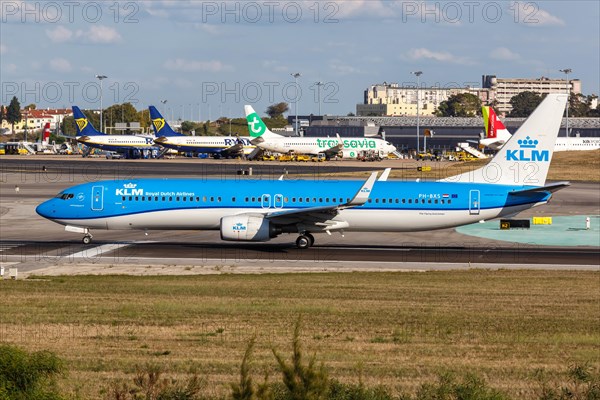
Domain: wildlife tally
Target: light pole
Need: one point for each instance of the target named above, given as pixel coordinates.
(164, 103)
(319, 84)
(296, 75)
(567, 71)
(100, 78)
(418, 74)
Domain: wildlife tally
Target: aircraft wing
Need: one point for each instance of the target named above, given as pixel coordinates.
(321, 216)
(237, 148)
(333, 151)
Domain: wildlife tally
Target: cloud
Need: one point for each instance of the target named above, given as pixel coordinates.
(60, 34)
(10, 68)
(3, 48)
(442, 56)
(60, 65)
(275, 66)
(358, 8)
(98, 34)
(101, 34)
(183, 65)
(343, 69)
(530, 14)
(502, 53)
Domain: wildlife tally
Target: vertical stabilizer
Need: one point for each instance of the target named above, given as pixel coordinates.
(160, 125)
(526, 156)
(83, 124)
(256, 126)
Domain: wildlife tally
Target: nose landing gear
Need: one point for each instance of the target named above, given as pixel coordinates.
(87, 239)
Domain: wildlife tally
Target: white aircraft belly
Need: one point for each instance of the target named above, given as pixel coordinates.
(358, 220)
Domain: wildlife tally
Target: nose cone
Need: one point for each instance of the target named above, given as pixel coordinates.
(46, 209)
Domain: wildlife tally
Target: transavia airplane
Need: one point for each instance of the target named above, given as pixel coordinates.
(349, 147)
(125, 144)
(219, 145)
(257, 211)
(496, 135)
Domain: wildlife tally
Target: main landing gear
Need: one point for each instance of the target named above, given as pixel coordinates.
(305, 241)
(87, 239)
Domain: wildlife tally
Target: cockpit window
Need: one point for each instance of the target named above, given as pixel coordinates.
(65, 196)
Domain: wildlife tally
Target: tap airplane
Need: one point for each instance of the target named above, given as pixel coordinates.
(245, 210)
(219, 145)
(349, 147)
(496, 135)
(93, 139)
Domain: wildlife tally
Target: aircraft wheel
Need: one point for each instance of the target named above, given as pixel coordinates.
(87, 239)
(303, 242)
(311, 238)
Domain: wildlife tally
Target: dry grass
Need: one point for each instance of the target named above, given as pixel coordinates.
(583, 166)
(399, 329)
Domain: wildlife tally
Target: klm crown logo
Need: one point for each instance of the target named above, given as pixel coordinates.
(528, 151)
(159, 123)
(239, 227)
(81, 123)
(528, 143)
(130, 185)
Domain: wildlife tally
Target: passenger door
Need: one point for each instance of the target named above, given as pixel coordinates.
(474, 204)
(97, 198)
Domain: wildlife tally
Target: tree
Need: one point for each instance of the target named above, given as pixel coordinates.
(13, 113)
(32, 106)
(460, 105)
(2, 114)
(277, 110)
(524, 103)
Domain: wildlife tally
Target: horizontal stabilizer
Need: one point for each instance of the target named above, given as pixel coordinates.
(548, 188)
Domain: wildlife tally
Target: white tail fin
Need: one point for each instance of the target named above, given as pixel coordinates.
(526, 156)
(256, 126)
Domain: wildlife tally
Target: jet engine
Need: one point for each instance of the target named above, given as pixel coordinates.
(247, 228)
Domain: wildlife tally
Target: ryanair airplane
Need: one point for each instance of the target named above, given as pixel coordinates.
(219, 145)
(257, 211)
(93, 139)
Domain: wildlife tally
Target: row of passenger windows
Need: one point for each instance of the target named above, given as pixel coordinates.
(306, 200)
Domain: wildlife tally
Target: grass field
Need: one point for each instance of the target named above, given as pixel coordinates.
(394, 329)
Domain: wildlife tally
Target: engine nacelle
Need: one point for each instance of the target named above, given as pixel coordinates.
(247, 228)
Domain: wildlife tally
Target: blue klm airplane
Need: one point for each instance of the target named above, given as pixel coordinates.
(257, 211)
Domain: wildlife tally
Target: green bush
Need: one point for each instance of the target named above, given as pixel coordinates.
(25, 376)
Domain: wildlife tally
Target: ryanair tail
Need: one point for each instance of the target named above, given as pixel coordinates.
(526, 156)
(84, 126)
(161, 127)
(257, 127)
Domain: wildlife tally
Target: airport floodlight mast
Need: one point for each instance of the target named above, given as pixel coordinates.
(296, 75)
(164, 103)
(319, 84)
(567, 71)
(418, 74)
(100, 78)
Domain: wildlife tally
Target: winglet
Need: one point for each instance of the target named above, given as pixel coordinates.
(340, 142)
(363, 193)
(385, 175)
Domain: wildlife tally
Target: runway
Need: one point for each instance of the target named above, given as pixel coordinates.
(36, 245)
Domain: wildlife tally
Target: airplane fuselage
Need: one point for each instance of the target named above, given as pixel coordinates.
(206, 144)
(352, 147)
(181, 204)
(118, 143)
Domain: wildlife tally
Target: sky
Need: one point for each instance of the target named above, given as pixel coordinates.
(206, 59)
